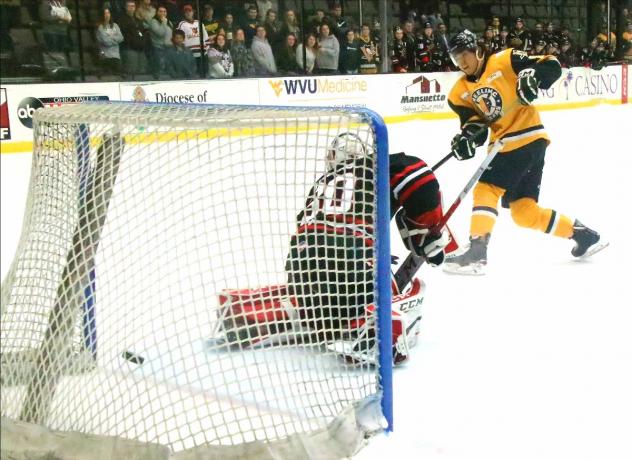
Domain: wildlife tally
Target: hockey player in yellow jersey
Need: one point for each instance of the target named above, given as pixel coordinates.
(497, 90)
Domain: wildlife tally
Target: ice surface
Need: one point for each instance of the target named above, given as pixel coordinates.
(532, 361)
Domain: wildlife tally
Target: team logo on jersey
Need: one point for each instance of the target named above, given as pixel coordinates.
(489, 102)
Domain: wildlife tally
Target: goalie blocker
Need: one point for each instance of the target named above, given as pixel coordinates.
(329, 293)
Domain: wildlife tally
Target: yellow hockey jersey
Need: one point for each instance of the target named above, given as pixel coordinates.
(487, 98)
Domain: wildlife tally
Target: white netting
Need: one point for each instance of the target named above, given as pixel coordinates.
(140, 220)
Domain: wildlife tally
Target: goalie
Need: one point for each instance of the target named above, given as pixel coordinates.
(330, 263)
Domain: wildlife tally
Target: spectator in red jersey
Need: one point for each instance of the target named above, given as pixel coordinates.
(400, 61)
(191, 28)
(425, 49)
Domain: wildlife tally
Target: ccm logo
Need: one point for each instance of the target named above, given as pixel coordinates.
(411, 304)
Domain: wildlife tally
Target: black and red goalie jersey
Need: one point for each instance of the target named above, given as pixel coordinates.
(342, 200)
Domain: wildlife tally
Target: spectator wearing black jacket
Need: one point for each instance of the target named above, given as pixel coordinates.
(567, 55)
(273, 30)
(286, 57)
(250, 23)
(290, 24)
(136, 42)
(411, 42)
(425, 50)
(519, 38)
(400, 60)
(350, 54)
(338, 23)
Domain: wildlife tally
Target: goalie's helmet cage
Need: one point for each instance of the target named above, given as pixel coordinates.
(344, 147)
(143, 221)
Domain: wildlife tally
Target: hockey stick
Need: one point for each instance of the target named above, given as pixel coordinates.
(413, 262)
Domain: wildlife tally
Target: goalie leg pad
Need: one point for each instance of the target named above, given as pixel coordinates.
(360, 345)
(256, 317)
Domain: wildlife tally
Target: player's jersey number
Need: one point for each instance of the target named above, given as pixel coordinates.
(333, 195)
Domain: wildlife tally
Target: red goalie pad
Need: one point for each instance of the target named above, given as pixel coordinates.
(249, 317)
(270, 316)
(406, 318)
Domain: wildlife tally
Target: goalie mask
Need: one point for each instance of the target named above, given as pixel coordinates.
(344, 147)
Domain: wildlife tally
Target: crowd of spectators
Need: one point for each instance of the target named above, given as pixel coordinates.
(140, 37)
(425, 48)
(169, 39)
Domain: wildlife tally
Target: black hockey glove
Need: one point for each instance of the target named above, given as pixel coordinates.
(527, 86)
(463, 148)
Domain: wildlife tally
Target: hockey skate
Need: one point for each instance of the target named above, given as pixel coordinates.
(587, 241)
(472, 261)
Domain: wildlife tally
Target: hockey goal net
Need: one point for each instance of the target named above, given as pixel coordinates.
(149, 230)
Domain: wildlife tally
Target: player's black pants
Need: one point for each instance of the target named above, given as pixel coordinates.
(518, 172)
(331, 279)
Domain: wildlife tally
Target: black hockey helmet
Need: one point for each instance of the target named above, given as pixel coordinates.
(463, 41)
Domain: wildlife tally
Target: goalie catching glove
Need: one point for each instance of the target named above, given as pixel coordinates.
(527, 86)
(425, 242)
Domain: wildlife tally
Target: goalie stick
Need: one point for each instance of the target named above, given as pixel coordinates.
(413, 262)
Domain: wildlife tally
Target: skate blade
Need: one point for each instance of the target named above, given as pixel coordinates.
(594, 249)
(468, 270)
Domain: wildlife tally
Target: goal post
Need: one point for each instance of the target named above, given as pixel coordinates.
(153, 297)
